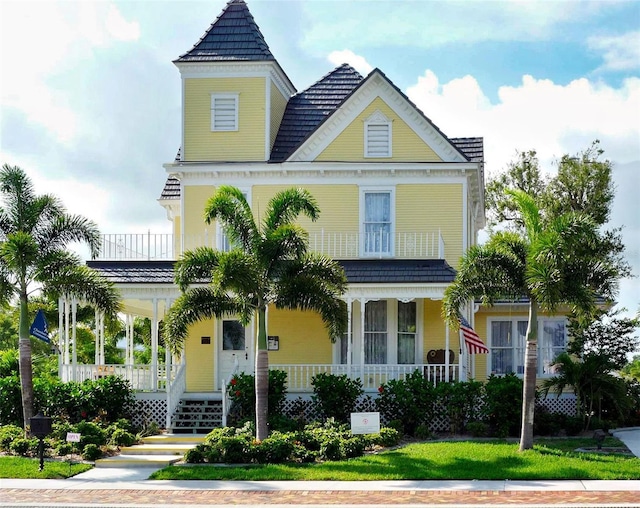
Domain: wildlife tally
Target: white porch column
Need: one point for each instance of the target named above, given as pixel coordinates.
(154, 346)
(61, 341)
(349, 335)
(74, 309)
(446, 354)
(129, 336)
(363, 302)
(67, 339)
(96, 319)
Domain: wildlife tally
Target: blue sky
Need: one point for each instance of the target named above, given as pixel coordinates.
(90, 101)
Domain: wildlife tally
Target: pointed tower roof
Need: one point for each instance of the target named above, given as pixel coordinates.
(308, 109)
(233, 36)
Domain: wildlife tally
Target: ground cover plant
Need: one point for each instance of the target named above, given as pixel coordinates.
(461, 460)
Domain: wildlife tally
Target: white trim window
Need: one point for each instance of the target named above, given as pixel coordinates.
(224, 112)
(377, 136)
(377, 222)
(375, 333)
(508, 338)
(406, 333)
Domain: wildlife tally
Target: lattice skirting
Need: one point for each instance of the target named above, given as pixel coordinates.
(153, 408)
(565, 404)
(150, 407)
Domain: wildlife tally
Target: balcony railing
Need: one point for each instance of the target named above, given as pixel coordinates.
(338, 245)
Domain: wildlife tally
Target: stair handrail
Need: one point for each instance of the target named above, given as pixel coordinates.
(175, 389)
(225, 392)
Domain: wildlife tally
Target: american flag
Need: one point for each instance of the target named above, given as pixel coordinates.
(471, 339)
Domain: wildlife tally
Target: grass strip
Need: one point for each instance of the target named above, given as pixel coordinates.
(22, 467)
(551, 459)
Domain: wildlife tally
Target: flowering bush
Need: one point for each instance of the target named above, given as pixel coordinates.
(242, 392)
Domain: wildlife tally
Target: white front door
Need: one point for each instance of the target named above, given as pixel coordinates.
(235, 344)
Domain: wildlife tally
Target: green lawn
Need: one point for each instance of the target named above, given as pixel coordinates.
(21, 467)
(460, 460)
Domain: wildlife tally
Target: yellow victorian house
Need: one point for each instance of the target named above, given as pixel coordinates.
(400, 203)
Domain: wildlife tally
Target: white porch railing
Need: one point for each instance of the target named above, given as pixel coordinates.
(138, 375)
(299, 376)
(338, 245)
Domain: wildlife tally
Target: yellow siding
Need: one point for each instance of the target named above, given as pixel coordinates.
(338, 206)
(434, 329)
(303, 338)
(245, 144)
(196, 230)
(278, 105)
(429, 208)
(200, 358)
(407, 146)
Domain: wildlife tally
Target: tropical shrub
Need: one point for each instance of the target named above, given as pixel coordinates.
(91, 451)
(460, 401)
(411, 400)
(502, 408)
(9, 433)
(336, 395)
(242, 393)
(10, 401)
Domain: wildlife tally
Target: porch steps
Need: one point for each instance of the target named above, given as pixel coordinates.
(197, 416)
(154, 451)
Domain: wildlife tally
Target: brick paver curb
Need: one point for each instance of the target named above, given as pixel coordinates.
(97, 497)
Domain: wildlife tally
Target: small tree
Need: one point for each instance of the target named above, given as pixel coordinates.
(34, 234)
(270, 265)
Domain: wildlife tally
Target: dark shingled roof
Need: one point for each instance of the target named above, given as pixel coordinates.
(308, 109)
(373, 271)
(233, 36)
(416, 271)
(473, 148)
(171, 189)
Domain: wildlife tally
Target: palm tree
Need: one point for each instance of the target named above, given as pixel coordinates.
(270, 265)
(551, 263)
(34, 233)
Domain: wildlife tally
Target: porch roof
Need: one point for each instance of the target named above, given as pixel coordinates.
(358, 271)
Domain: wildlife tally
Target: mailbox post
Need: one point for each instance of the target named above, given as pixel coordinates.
(41, 428)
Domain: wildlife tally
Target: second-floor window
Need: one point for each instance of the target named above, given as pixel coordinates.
(508, 339)
(377, 223)
(224, 112)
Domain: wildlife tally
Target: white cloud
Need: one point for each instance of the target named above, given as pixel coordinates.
(537, 114)
(358, 62)
(553, 119)
(60, 36)
(620, 53)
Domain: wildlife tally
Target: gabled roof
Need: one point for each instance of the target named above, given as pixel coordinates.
(233, 36)
(306, 110)
(358, 271)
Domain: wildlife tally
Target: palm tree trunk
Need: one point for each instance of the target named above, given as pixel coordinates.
(262, 377)
(26, 371)
(529, 386)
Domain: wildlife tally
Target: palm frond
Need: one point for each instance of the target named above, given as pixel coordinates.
(195, 305)
(530, 212)
(229, 207)
(195, 266)
(86, 284)
(65, 229)
(289, 241)
(488, 272)
(288, 204)
(238, 272)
